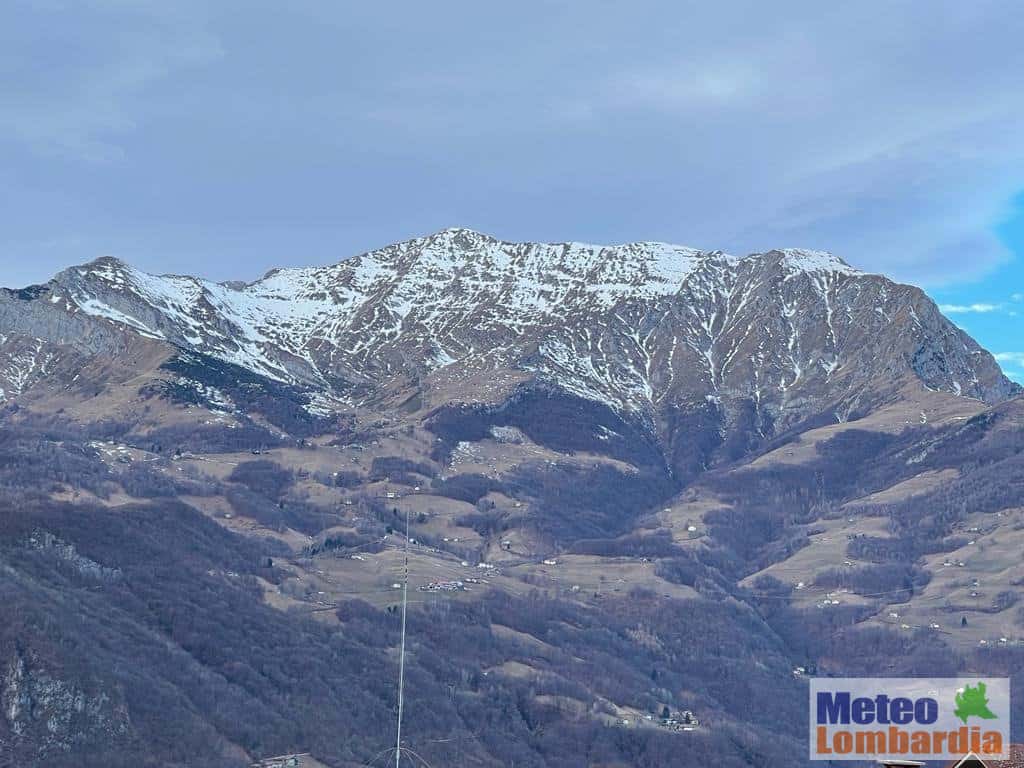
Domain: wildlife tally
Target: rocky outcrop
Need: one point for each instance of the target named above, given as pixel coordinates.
(50, 545)
(46, 713)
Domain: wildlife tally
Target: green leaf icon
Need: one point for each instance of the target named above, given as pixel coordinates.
(972, 702)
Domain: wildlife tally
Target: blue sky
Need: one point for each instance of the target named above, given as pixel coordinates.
(227, 138)
(991, 308)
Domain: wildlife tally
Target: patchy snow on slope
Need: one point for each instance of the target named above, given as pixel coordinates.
(509, 435)
(798, 260)
(629, 325)
(323, 406)
(22, 363)
(97, 308)
(217, 399)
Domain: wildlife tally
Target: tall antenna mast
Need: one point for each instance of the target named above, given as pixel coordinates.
(401, 657)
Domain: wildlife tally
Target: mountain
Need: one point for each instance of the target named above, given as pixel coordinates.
(637, 477)
(645, 329)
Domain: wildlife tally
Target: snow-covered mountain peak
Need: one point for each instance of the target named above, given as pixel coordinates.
(456, 255)
(636, 325)
(802, 260)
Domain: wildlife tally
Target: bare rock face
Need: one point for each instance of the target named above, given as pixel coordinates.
(48, 544)
(656, 333)
(52, 714)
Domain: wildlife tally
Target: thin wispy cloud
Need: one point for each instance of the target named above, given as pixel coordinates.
(81, 78)
(1015, 358)
(966, 309)
(247, 137)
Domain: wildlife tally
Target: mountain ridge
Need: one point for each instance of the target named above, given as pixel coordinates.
(662, 336)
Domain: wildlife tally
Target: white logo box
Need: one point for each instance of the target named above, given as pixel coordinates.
(876, 710)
